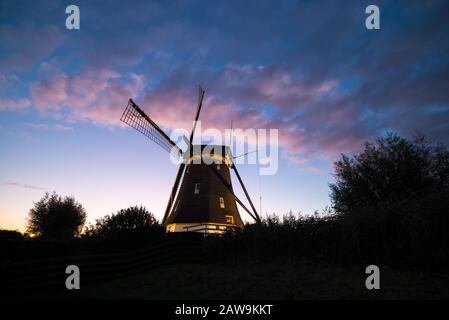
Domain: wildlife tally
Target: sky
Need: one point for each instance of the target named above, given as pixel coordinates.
(310, 69)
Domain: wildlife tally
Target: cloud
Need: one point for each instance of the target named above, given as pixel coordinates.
(24, 45)
(317, 120)
(61, 127)
(309, 69)
(99, 96)
(44, 126)
(241, 93)
(22, 185)
(14, 104)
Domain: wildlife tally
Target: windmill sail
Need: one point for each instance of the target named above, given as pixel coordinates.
(137, 119)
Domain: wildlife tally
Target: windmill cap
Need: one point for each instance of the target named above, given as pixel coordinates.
(219, 152)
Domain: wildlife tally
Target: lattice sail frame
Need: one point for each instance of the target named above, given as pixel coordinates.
(137, 119)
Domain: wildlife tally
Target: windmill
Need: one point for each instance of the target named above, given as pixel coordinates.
(202, 198)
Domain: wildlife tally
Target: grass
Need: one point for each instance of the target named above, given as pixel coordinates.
(264, 281)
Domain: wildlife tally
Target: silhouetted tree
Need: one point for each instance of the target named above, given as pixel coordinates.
(392, 169)
(56, 217)
(131, 222)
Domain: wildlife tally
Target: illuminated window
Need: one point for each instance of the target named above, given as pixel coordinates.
(197, 188)
(229, 219)
(222, 205)
(218, 167)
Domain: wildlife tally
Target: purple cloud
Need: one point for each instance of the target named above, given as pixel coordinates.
(14, 104)
(25, 45)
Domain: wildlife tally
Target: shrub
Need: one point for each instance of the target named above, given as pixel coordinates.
(410, 234)
(133, 223)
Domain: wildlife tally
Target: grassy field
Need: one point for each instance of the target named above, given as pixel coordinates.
(266, 281)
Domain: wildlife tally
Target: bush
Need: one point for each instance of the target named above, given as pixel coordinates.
(133, 223)
(411, 234)
(56, 217)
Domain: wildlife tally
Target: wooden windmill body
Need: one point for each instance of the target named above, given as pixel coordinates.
(202, 197)
(203, 201)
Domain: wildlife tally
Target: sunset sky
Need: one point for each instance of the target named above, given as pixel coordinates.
(307, 68)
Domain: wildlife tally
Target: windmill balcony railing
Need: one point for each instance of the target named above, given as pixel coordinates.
(209, 228)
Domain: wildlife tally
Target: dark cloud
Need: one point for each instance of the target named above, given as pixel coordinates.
(23, 46)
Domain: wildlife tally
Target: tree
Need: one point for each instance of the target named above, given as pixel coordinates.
(131, 222)
(390, 170)
(56, 217)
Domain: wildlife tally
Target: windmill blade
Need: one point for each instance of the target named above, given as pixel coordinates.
(246, 193)
(137, 119)
(229, 187)
(174, 191)
(245, 154)
(182, 166)
(198, 110)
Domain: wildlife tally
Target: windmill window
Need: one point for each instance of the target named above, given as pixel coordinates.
(218, 167)
(222, 204)
(229, 219)
(197, 188)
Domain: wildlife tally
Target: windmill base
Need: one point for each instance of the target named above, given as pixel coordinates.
(207, 228)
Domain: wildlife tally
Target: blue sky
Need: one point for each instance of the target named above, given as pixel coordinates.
(308, 68)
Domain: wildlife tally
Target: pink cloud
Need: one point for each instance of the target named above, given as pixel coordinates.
(175, 108)
(314, 132)
(98, 96)
(14, 104)
(49, 94)
(269, 85)
(173, 104)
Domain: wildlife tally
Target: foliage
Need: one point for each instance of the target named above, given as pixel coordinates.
(10, 235)
(56, 217)
(391, 170)
(407, 234)
(133, 222)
